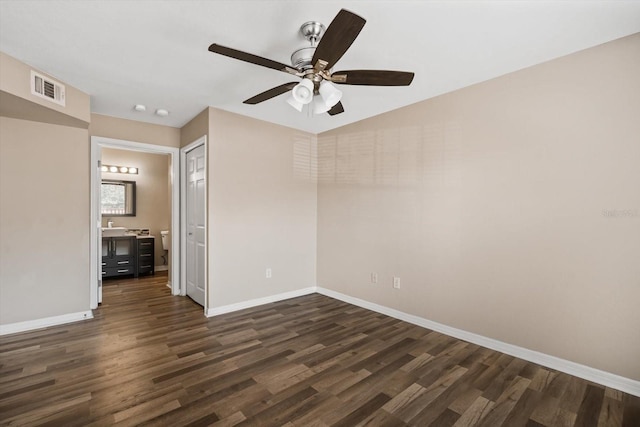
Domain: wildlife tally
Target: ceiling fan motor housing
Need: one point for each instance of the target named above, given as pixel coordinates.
(301, 58)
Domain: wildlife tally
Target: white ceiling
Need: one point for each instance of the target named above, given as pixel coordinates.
(154, 52)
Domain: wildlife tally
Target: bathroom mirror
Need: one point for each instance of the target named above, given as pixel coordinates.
(118, 198)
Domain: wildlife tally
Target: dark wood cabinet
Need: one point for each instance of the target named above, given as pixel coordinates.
(119, 256)
(146, 246)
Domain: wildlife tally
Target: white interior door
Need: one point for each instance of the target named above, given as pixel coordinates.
(195, 213)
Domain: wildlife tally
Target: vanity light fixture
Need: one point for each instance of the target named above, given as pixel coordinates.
(119, 169)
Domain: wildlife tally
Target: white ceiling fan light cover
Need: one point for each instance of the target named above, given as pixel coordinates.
(330, 94)
(295, 104)
(320, 106)
(303, 91)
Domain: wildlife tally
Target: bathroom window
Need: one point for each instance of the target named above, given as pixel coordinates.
(118, 198)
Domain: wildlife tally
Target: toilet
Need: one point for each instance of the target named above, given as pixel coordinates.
(165, 245)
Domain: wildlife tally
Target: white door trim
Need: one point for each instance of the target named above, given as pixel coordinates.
(183, 217)
(99, 142)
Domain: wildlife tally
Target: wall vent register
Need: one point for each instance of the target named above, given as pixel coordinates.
(47, 88)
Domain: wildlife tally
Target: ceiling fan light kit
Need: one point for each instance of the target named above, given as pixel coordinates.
(314, 64)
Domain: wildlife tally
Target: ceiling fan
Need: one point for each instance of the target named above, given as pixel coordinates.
(314, 65)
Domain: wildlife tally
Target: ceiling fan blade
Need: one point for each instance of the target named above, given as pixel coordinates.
(253, 59)
(340, 34)
(336, 109)
(271, 93)
(373, 77)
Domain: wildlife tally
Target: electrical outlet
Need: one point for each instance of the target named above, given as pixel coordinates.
(268, 273)
(396, 283)
(374, 278)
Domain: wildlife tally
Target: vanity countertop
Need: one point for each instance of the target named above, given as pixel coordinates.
(139, 236)
(140, 233)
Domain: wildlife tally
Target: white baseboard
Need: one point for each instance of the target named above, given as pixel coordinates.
(607, 379)
(30, 325)
(161, 268)
(259, 301)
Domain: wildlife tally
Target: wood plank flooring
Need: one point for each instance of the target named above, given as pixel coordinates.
(152, 359)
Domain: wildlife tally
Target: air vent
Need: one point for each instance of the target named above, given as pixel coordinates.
(46, 88)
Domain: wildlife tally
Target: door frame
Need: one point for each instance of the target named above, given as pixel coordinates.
(183, 216)
(97, 144)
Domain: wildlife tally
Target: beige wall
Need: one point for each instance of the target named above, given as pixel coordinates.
(153, 201)
(15, 80)
(44, 200)
(510, 209)
(196, 128)
(262, 209)
(129, 130)
(44, 220)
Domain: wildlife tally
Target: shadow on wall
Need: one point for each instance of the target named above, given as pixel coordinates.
(305, 158)
(406, 157)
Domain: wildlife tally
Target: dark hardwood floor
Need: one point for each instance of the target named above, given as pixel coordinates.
(149, 358)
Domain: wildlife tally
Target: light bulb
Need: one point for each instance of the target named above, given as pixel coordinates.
(124, 169)
(113, 169)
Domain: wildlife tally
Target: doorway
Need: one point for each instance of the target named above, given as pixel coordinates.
(97, 144)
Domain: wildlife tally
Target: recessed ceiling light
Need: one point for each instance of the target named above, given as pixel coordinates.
(162, 112)
(140, 107)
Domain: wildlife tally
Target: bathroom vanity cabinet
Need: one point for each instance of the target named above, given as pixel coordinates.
(145, 252)
(119, 256)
